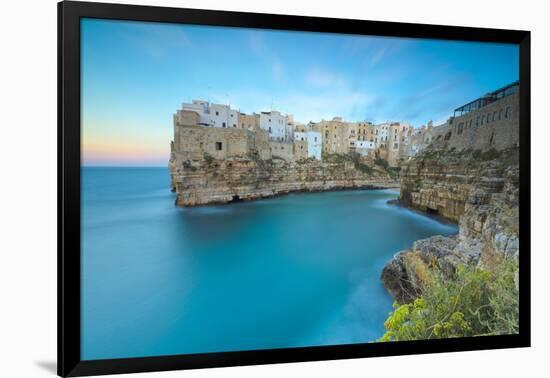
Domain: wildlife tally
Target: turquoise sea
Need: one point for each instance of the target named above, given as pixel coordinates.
(290, 271)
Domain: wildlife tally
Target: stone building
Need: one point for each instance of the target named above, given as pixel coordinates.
(214, 115)
(336, 135)
(365, 132)
(196, 142)
(249, 121)
(489, 122)
(399, 142)
(300, 145)
(420, 139)
(275, 124)
(282, 150)
(314, 144)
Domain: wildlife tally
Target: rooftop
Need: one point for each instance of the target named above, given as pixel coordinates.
(487, 99)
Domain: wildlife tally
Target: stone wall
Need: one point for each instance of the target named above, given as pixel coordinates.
(495, 126)
(300, 149)
(192, 142)
(196, 141)
(282, 150)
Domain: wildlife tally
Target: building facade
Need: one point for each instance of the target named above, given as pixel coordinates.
(248, 121)
(314, 144)
(275, 124)
(200, 127)
(213, 115)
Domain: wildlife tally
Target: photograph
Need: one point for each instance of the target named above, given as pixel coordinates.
(247, 189)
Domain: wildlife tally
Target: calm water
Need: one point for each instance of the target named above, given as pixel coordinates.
(291, 271)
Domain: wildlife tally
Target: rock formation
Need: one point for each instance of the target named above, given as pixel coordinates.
(208, 181)
(477, 189)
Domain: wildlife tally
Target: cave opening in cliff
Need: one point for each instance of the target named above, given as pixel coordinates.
(236, 198)
(431, 211)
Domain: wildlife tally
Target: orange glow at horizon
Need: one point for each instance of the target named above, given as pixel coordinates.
(112, 152)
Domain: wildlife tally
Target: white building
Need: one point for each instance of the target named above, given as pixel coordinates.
(289, 133)
(381, 134)
(363, 147)
(223, 116)
(274, 123)
(314, 144)
(214, 115)
(299, 136)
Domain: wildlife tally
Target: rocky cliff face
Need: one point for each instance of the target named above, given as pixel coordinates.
(479, 191)
(208, 181)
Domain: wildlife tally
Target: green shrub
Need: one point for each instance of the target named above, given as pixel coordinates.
(475, 302)
(209, 158)
(393, 172)
(491, 154)
(381, 162)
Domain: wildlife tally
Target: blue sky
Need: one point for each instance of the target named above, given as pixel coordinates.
(135, 75)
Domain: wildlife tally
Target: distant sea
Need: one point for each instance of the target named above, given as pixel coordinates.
(290, 271)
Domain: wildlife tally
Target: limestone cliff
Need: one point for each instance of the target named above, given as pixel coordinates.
(207, 181)
(477, 189)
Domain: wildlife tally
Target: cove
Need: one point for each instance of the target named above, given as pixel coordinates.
(290, 271)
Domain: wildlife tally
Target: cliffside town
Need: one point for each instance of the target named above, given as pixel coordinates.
(219, 155)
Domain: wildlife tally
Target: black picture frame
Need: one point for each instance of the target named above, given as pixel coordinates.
(69, 14)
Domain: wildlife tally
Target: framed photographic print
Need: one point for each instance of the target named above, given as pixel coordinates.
(239, 188)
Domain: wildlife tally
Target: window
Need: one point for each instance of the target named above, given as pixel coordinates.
(270, 120)
(316, 139)
(494, 116)
(217, 113)
(223, 124)
(500, 114)
(477, 121)
(507, 113)
(234, 125)
(270, 129)
(218, 146)
(232, 115)
(395, 145)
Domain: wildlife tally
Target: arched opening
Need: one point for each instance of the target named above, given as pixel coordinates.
(236, 198)
(431, 211)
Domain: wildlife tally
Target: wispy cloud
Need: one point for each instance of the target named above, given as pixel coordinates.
(260, 49)
(373, 50)
(158, 40)
(320, 78)
(306, 105)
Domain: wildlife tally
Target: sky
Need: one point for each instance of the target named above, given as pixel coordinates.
(136, 75)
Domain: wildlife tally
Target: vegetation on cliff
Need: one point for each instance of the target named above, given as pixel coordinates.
(474, 302)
